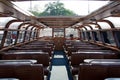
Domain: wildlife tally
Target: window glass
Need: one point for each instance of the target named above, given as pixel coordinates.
(33, 33)
(29, 28)
(58, 32)
(14, 25)
(117, 35)
(71, 31)
(83, 29)
(8, 40)
(11, 37)
(115, 21)
(4, 21)
(87, 27)
(108, 37)
(46, 32)
(89, 35)
(82, 35)
(104, 25)
(21, 33)
(96, 35)
(86, 37)
(94, 26)
(1, 36)
(27, 37)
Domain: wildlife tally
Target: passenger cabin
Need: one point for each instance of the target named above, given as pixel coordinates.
(80, 47)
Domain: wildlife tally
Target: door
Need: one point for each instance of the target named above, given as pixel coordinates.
(58, 38)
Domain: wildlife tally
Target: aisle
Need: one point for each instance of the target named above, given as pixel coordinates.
(60, 69)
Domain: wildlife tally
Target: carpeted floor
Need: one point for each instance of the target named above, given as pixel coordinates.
(60, 63)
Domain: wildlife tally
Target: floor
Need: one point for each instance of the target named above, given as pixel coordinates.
(59, 67)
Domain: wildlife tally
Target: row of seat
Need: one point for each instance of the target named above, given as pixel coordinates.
(38, 50)
(79, 51)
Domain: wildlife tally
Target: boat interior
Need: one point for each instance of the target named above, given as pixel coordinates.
(80, 47)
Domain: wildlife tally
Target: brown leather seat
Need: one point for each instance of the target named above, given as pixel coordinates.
(98, 71)
(22, 71)
(44, 49)
(41, 58)
(77, 58)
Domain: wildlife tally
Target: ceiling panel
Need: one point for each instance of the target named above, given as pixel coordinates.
(59, 21)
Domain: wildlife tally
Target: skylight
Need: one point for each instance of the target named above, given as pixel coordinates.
(78, 7)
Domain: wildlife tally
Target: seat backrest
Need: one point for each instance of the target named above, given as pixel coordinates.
(22, 71)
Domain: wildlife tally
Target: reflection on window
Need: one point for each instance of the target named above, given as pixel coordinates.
(115, 21)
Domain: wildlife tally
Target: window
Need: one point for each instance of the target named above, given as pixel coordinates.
(117, 36)
(88, 35)
(82, 35)
(108, 37)
(14, 25)
(4, 21)
(1, 36)
(21, 33)
(104, 25)
(115, 21)
(72, 31)
(97, 36)
(33, 33)
(8, 40)
(94, 27)
(27, 35)
(46, 32)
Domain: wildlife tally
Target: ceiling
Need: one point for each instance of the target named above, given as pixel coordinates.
(59, 21)
(63, 0)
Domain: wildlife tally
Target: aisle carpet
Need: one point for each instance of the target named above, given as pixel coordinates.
(62, 61)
